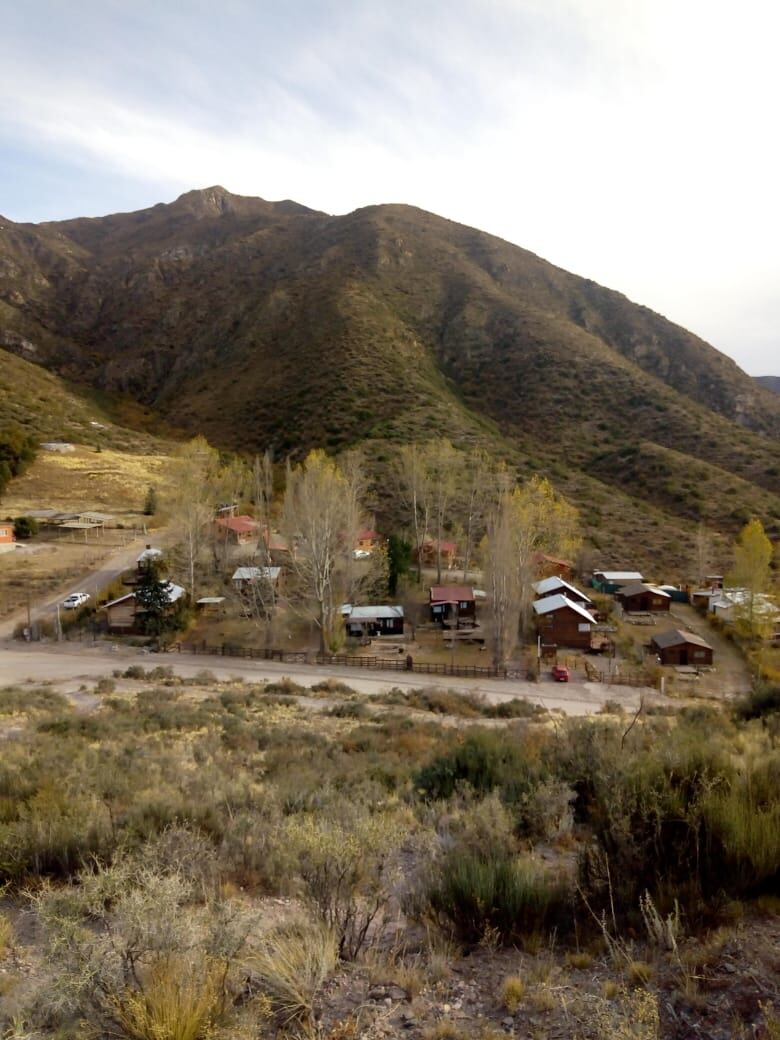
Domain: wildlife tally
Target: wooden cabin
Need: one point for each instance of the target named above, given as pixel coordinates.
(453, 605)
(7, 536)
(367, 540)
(562, 622)
(680, 647)
(430, 553)
(612, 581)
(122, 614)
(640, 598)
(379, 620)
(551, 567)
(237, 530)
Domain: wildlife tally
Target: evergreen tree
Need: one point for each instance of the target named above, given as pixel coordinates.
(150, 502)
(152, 597)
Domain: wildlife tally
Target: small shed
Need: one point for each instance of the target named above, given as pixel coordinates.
(611, 581)
(563, 622)
(7, 536)
(211, 605)
(243, 576)
(379, 620)
(367, 540)
(680, 647)
(554, 586)
(640, 598)
(453, 604)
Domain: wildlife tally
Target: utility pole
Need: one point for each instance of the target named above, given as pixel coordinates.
(59, 625)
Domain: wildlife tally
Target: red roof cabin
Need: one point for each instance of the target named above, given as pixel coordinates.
(453, 605)
(430, 553)
(238, 530)
(367, 540)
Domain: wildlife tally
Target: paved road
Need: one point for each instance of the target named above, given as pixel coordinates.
(64, 663)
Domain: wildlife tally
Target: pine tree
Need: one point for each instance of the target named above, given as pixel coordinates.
(152, 598)
(150, 502)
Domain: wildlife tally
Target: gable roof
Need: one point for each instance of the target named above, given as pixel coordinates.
(370, 613)
(678, 637)
(547, 585)
(552, 603)
(636, 588)
(174, 593)
(149, 553)
(251, 573)
(451, 593)
(238, 524)
(367, 535)
(624, 576)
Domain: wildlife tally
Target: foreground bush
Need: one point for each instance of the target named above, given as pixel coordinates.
(290, 967)
(508, 896)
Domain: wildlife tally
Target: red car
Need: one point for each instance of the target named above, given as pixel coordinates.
(560, 674)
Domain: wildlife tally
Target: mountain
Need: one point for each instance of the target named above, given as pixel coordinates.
(263, 323)
(770, 382)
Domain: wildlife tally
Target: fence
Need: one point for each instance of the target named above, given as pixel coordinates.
(251, 652)
(387, 664)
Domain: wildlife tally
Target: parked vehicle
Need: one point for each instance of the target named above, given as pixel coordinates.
(75, 600)
(560, 673)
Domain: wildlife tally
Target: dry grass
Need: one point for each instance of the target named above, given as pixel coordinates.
(292, 964)
(6, 935)
(512, 993)
(176, 1003)
(107, 481)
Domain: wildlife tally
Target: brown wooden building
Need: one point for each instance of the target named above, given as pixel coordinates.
(237, 530)
(453, 605)
(562, 622)
(679, 647)
(639, 598)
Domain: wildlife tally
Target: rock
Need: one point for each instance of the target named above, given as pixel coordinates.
(508, 1022)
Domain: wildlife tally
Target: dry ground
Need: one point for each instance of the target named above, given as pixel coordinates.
(106, 481)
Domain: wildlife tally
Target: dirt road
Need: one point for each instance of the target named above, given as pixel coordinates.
(64, 664)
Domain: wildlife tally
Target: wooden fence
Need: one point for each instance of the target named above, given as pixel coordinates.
(386, 664)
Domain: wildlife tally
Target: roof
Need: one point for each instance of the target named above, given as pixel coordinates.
(678, 637)
(549, 584)
(98, 518)
(446, 547)
(636, 588)
(624, 576)
(149, 553)
(540, 557)
(210, 600)
(275, 542)
(367, 535)
(370, 613)
(238, 524)
(552, 603)
(451, 593)
(251, 573)
(175, 592)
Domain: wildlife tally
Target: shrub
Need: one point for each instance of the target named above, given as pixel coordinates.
(178, 1001)
(485, 760)
(291, 965)
(763, 699)
(25, 527)
(512, 993)
(512, 897)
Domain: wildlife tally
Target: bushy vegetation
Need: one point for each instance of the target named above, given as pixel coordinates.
(143, 827)
(17, 451)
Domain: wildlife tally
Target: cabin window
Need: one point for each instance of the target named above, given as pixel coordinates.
(699, 655)
(463, 606)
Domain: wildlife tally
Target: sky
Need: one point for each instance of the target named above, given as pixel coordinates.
(634, 142)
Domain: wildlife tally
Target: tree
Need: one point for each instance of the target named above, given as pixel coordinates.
(320, 519)
(25, 527)
(443, 463)
(150, 502)
(502, 577)
(546, 523)
(153, 601)
(702, 549)
(752, 563)
(477, 487)
(414, 489)
(195, 483)
(399, 559)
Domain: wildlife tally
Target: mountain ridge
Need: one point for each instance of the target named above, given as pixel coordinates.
(264, 323)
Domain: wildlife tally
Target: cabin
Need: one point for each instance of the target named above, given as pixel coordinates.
(678, 647)
(367, 540)
(554, 586)
(7, 536)
(148, 556)
(123, 616)
(379, 620)
(210, 606)
(640, 598)
(243, 576)
(430, 553)
(453, 605)
(561, 621)
(277, 546)
(611, 581)
(237, 530)
(550, 566)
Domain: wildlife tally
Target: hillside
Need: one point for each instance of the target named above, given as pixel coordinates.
(263, 323)
(770, 383)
